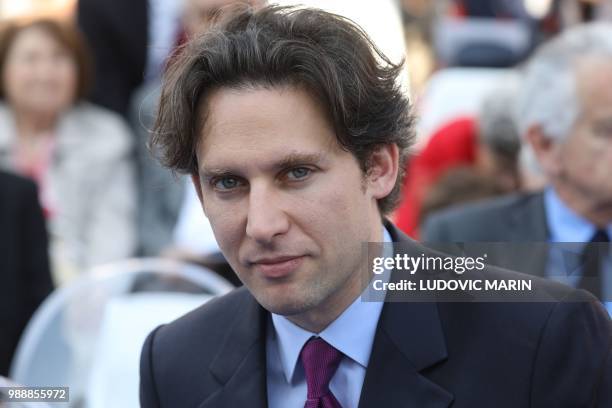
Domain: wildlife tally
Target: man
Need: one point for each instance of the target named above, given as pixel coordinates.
(565, 116)
(24, 261)
(294, 130)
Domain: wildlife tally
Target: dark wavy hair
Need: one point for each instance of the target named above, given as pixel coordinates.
(327, 55)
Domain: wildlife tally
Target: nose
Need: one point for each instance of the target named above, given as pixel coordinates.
(266, 219)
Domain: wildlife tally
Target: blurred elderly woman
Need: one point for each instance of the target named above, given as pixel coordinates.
(79, 154)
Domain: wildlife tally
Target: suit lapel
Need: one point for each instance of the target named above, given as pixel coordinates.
(528, 219)
(521, 244)
(408, 340)
(528, 228)
(240, 365)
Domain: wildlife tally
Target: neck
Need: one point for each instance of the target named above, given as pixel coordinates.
(32, 124)
(318, 318)
(597, 213)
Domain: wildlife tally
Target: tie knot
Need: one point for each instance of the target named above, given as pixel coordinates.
(320, 361)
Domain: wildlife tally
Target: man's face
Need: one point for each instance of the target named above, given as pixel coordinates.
(585, 157)
(289, 208)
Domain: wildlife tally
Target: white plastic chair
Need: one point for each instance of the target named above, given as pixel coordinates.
(61, 344)
(114, 377)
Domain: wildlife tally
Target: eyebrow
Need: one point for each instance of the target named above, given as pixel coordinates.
(295, 159)
(290, 160)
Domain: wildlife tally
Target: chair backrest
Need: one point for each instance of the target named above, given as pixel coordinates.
(452, 35)
(59, 343)
(114, 379)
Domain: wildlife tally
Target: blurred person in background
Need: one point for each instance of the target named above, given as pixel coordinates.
(499, 140)
(24, 261)
(488, 144)
(459, 186)
(79, 154)
(130, 41)
(565, 117)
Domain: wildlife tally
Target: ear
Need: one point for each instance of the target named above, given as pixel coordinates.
(383, 170)
(195, 178)
(546, 150)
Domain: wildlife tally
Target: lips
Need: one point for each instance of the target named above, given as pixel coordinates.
(278, 267)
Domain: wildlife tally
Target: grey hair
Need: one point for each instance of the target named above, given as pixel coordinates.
(549, 96)
(497, 122)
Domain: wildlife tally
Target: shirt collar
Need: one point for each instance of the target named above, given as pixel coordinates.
(563, 223)
(352, 332)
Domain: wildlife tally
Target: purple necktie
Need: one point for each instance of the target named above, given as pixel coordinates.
(320, 362)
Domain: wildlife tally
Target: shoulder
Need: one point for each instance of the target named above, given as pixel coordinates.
(487, 213)
(209, 315)
(198, 334)
(21, 207)
(98, 117)
(176, 358)
(98, 127)
(13, 184)
(576, 335)
(23, 192)
(529, 308)
(549, 315)
(548, 312)
(491, 207)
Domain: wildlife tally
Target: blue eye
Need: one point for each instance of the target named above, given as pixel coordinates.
(298, 173)
(226, 183)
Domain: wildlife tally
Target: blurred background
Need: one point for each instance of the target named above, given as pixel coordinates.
(100, 244)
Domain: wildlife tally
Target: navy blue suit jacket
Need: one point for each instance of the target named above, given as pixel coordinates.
(24, 261)
(425, 355)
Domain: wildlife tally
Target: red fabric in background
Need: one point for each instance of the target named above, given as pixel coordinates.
(452, 145)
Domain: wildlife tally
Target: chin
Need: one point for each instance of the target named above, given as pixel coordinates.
(285, 304)
(283, 309)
